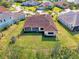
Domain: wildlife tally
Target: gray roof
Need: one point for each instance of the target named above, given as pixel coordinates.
(30, 3)
(71, 18)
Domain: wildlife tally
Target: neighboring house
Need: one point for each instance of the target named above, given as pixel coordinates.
(17, 16)
(73, 1)
(63, 5)
(41, 23)
(30, 3)
(3, 9)
(70, 20)
(5, 21)
(9, 18)
(45, 6)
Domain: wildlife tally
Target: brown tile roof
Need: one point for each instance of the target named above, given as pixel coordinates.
(43, 21)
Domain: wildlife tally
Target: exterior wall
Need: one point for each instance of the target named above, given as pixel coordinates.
(9, 20)
(40, 29)
(22, 16)
(19, 18)
(35, 29)
(31, 29)
(46, 33)
(3, 25)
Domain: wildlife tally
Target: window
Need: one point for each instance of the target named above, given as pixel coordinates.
(10, 17)
(77, 28)
(41, 28)
(50, 33)
(4, 20)
(0, 20)
(28, 29)
(35, 29)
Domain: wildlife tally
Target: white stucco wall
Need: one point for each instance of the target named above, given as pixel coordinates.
(46, 33)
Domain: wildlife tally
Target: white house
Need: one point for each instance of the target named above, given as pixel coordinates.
(73, 1)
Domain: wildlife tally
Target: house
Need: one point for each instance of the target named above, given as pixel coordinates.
(5, 21)
(45, 6)
(70, 20)
(9, 18)
(16, 16)
(73, 1)
(30, 3)
(40, 23)
(3, 9)
(62, 5)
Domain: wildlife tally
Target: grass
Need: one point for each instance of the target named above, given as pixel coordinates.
(28, 44)
(17, 4)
